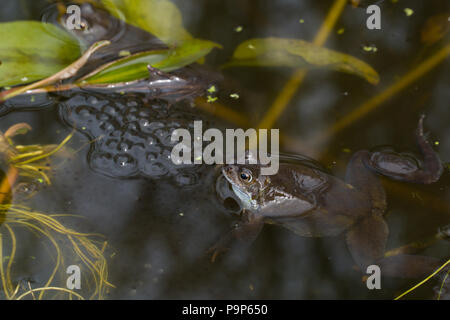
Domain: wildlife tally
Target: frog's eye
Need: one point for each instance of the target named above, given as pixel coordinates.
(245, 176)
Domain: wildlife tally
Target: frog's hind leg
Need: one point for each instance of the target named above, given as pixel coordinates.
(409, 266)
(367, 239)
(415, 247)
(400, 262)
(366, 242)
(405, 168)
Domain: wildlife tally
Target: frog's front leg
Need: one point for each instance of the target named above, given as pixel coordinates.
(404, 168)
(245, 231)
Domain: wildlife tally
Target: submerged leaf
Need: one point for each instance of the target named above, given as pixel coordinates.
(31, 50)
(435, 28)
(159, 17)
(134, 67)
(298, 54)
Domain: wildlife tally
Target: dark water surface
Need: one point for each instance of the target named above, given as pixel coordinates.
(160, 219)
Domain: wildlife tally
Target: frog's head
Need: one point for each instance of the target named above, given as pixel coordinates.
(247, 183)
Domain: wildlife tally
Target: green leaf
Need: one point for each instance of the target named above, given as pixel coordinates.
(31, 50)
(134, 67)
(159, 17)
(298, 54)
(189, 52)
(131, 68)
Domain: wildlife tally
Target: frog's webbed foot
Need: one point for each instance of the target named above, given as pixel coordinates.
(444, 233)
(406, 168)
(442, 289)
(410, 266)
(245, 231)
(405, 263)
(367, 240)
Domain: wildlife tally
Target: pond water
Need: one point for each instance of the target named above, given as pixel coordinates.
(160, 219)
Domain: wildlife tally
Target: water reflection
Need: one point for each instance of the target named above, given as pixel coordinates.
(160, 229)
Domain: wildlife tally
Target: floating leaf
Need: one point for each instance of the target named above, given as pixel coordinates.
(63, 74)
(159, 17)
(31, 50)
(189, 52)
(134, 67)
(131, 68)
(298, 54)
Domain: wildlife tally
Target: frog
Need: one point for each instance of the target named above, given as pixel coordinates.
(313, 203)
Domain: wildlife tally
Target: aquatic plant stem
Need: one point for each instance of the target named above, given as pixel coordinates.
(442, 285)
(423, 281)
(50, 288)
(222, 111)
(2, 272)
(83, 247)
(11, 257)
(48, 154)
(396, 87)
(288, 91)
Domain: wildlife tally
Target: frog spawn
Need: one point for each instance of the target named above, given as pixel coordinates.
(132, 135)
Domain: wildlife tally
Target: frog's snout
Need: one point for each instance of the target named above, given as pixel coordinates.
(227, 169)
